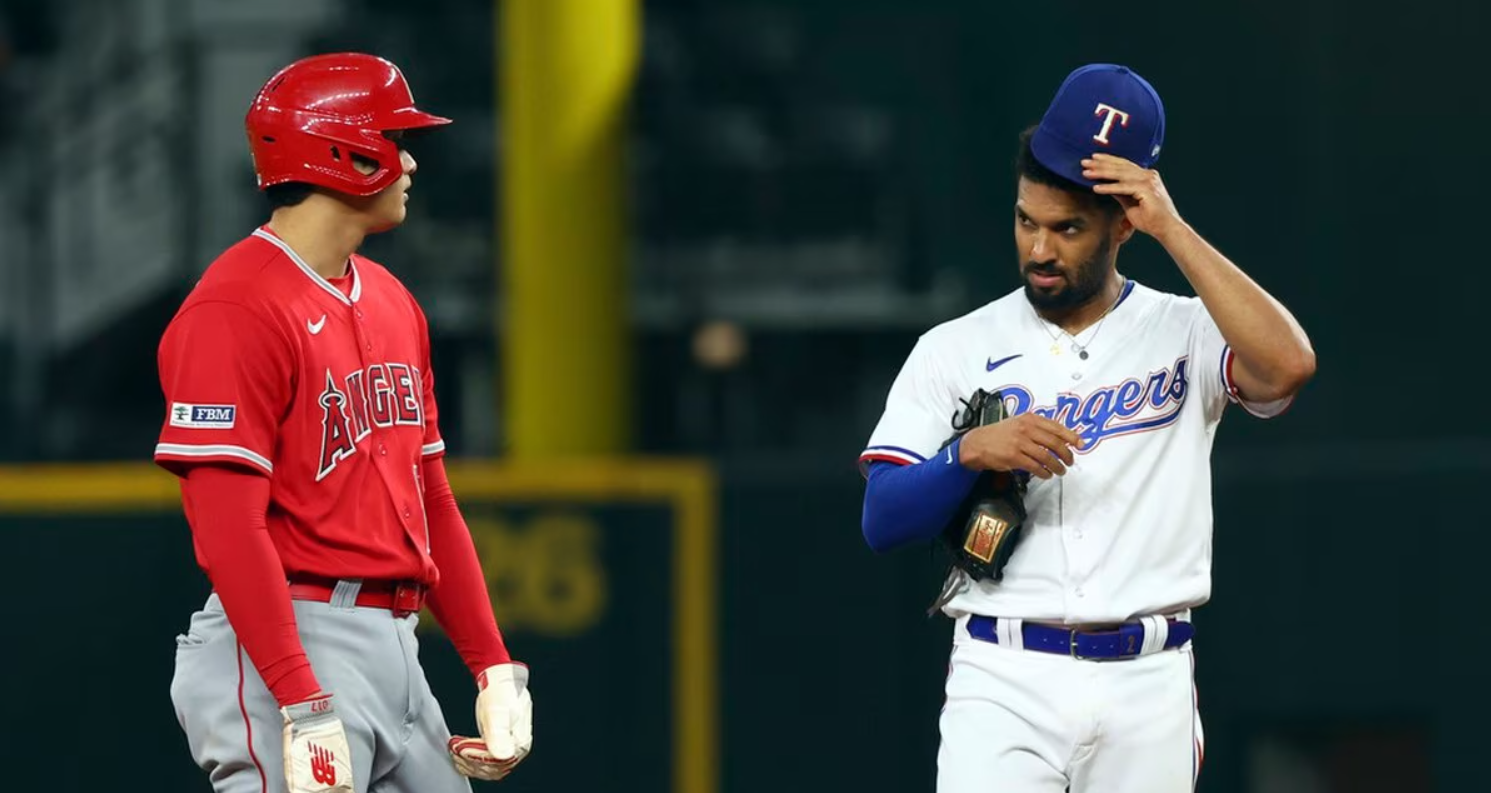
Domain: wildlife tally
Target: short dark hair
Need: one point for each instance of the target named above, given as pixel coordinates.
(1028, 167)
(287, 194)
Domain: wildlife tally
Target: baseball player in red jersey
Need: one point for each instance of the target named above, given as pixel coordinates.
(301, 420)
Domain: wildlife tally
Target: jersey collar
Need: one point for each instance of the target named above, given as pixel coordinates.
(265, 233)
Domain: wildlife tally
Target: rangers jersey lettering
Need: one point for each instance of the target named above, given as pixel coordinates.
(1127, 530)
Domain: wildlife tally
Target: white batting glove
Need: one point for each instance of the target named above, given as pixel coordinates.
(317, 759)
(504, 713)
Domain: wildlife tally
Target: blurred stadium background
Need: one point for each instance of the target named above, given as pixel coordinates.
(793, 192)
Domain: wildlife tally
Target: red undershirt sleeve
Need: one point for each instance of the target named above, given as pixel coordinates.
(460, 601)
(226, 510)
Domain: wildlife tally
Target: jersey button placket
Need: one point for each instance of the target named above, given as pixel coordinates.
(363, 340)
(1079, 367)
(1078, 553)
(367, 342)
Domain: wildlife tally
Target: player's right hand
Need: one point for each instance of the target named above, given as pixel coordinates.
(1027, 442)
(317, 759)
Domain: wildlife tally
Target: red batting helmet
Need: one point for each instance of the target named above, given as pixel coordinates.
(310, 118)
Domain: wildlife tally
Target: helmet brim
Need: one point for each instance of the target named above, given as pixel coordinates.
(409, 118)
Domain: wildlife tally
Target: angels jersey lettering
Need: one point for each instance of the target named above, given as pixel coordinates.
(1126, 532)
(323, 387)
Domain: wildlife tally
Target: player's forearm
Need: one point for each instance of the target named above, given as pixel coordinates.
(1263, 335)
(908, 503)
(227, 507)
(460, 602)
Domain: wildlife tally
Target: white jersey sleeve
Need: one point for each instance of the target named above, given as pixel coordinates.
(916, 419)
(1213, 361)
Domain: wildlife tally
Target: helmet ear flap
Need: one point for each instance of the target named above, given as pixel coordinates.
(346, 160)
(365, 165)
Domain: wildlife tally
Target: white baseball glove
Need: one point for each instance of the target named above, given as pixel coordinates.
(317, 759)
(504, 713)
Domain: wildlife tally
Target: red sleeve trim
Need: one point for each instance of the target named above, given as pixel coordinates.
(1262, 410)
(885, 458)
(1228, 358)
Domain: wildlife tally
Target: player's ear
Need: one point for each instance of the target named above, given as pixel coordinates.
(1123, 228)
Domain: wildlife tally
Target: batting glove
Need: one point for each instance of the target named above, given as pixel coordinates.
(504, 713)
(317, 759)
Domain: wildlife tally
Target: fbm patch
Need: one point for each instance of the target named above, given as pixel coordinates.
(203, 417)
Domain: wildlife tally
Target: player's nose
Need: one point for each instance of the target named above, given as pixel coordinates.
(1041, 250)
(410, 166)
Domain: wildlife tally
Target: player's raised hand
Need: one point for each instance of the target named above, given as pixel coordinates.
(1027, 442)
(1145, 200)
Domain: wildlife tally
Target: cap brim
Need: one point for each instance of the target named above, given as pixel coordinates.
(1062, 158)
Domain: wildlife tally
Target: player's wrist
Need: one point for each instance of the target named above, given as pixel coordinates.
(967, 456)
(300, 686)
(971, 456)
(1172, 232)
(495, 654)
(507, 671)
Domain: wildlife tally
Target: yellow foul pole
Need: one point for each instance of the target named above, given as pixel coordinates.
(566, 69)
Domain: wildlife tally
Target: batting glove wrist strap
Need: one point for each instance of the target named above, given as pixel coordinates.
(317, 758)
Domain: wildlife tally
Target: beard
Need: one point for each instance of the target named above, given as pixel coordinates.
(1079, 284)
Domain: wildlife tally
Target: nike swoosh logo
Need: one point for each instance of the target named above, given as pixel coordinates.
(315, 327)
(993, 364)
(949, 455)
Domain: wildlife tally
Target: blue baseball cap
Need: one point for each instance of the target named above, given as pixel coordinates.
(1100, 107)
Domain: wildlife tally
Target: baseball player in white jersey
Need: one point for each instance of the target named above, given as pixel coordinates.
(1115, 391)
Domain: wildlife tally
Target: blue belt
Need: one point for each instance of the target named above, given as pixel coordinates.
(1124, 642)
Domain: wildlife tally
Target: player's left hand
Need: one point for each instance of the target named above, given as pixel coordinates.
(504, 713)
(1145, 200)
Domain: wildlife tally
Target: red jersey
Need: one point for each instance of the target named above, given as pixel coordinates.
(326, 391)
